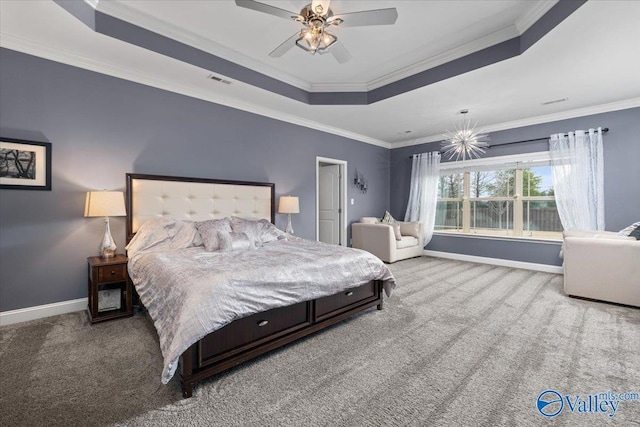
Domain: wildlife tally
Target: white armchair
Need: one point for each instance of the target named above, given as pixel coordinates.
(602, 265)
(380, 239)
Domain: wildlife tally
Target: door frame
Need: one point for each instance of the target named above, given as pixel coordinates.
(343, 197)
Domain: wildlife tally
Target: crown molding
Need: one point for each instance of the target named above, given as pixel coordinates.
(338, 87)
(128, 14)
(547, 118)
(532, 16)
(442, 58)
(57, 55)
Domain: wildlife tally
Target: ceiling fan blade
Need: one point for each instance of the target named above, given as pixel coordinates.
(367, 17)
(323, 3)
(340, 52)
(265, 8)
(285, 46)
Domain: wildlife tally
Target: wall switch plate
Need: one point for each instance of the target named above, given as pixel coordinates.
(351, 202)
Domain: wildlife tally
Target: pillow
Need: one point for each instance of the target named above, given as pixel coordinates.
(234, 241)
(270, 233)
(251, 226)
(260, 231)
(163, 234)
(387, 218)
(396, 230)
(410, 229)
(633, 231)
(209, 232)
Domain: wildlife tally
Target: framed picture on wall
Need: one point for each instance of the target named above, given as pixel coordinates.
(25, 165)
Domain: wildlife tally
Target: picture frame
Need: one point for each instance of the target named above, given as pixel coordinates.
(25, 165)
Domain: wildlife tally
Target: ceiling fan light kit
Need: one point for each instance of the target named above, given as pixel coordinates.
(315, 37)
(316, 18)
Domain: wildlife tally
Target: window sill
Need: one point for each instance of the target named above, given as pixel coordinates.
(547, 240)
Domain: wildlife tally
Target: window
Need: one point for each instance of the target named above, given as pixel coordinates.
(503, 196)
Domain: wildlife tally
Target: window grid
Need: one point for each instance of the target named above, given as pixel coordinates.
(514, 214)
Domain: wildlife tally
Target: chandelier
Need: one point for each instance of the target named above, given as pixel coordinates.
(465, 141)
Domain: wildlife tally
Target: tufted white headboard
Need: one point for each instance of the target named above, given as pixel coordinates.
(153, 196)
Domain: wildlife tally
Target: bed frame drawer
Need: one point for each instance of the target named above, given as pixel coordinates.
(253, 330)
(334, 304)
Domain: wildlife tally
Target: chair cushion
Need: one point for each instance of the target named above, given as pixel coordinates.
(410, 229)
(406, 242)
(369, 220)
(396, 230)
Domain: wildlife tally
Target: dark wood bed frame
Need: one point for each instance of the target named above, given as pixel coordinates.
(251, 336)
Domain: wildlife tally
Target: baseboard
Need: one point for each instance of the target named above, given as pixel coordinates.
(40, 311)
(497, 261)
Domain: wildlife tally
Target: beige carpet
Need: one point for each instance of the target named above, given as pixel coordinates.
(457, 344)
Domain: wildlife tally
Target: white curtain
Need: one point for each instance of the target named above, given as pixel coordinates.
(578, 178)
(423, 196)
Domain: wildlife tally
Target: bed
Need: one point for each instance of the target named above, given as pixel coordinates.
(216, 309)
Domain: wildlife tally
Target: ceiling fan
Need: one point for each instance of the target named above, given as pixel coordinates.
(317, 17)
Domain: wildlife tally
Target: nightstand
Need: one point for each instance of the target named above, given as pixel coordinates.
(110, 289)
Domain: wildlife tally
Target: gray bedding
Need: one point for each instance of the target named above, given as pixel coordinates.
(191, 292)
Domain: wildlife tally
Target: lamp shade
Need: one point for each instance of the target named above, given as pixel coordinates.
(104, 203)
(288, 205)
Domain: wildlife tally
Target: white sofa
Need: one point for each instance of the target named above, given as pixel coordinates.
(602, 265)
(379, 239)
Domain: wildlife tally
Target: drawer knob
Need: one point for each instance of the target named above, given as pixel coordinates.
(263, 323)
(349, 293)
(113, 272)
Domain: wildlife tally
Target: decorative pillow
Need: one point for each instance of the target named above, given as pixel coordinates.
(209, 232)
(410, 229)
(633, 231)
(163, 234)
(234, 241)
(388, 218)
(269, 233)
(396, 230)
(252, 227)
(260, 230)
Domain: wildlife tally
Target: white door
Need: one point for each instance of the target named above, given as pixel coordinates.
(329, 204)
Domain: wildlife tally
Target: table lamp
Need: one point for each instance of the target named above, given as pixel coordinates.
(289, 205)
(106, 204)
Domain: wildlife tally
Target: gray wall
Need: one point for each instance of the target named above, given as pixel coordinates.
(102, 127)
(621, 175)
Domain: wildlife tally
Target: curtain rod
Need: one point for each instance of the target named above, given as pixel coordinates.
(604, 130)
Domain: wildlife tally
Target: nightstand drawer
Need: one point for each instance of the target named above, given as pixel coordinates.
(112, 273)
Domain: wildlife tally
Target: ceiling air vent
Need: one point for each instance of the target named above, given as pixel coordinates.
(218, 79)
(555, 101)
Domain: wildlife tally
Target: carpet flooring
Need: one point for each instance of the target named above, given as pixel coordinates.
(458, 344)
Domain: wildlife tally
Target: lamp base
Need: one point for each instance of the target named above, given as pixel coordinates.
(289, 229)
(107, 253)
(108, 246)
